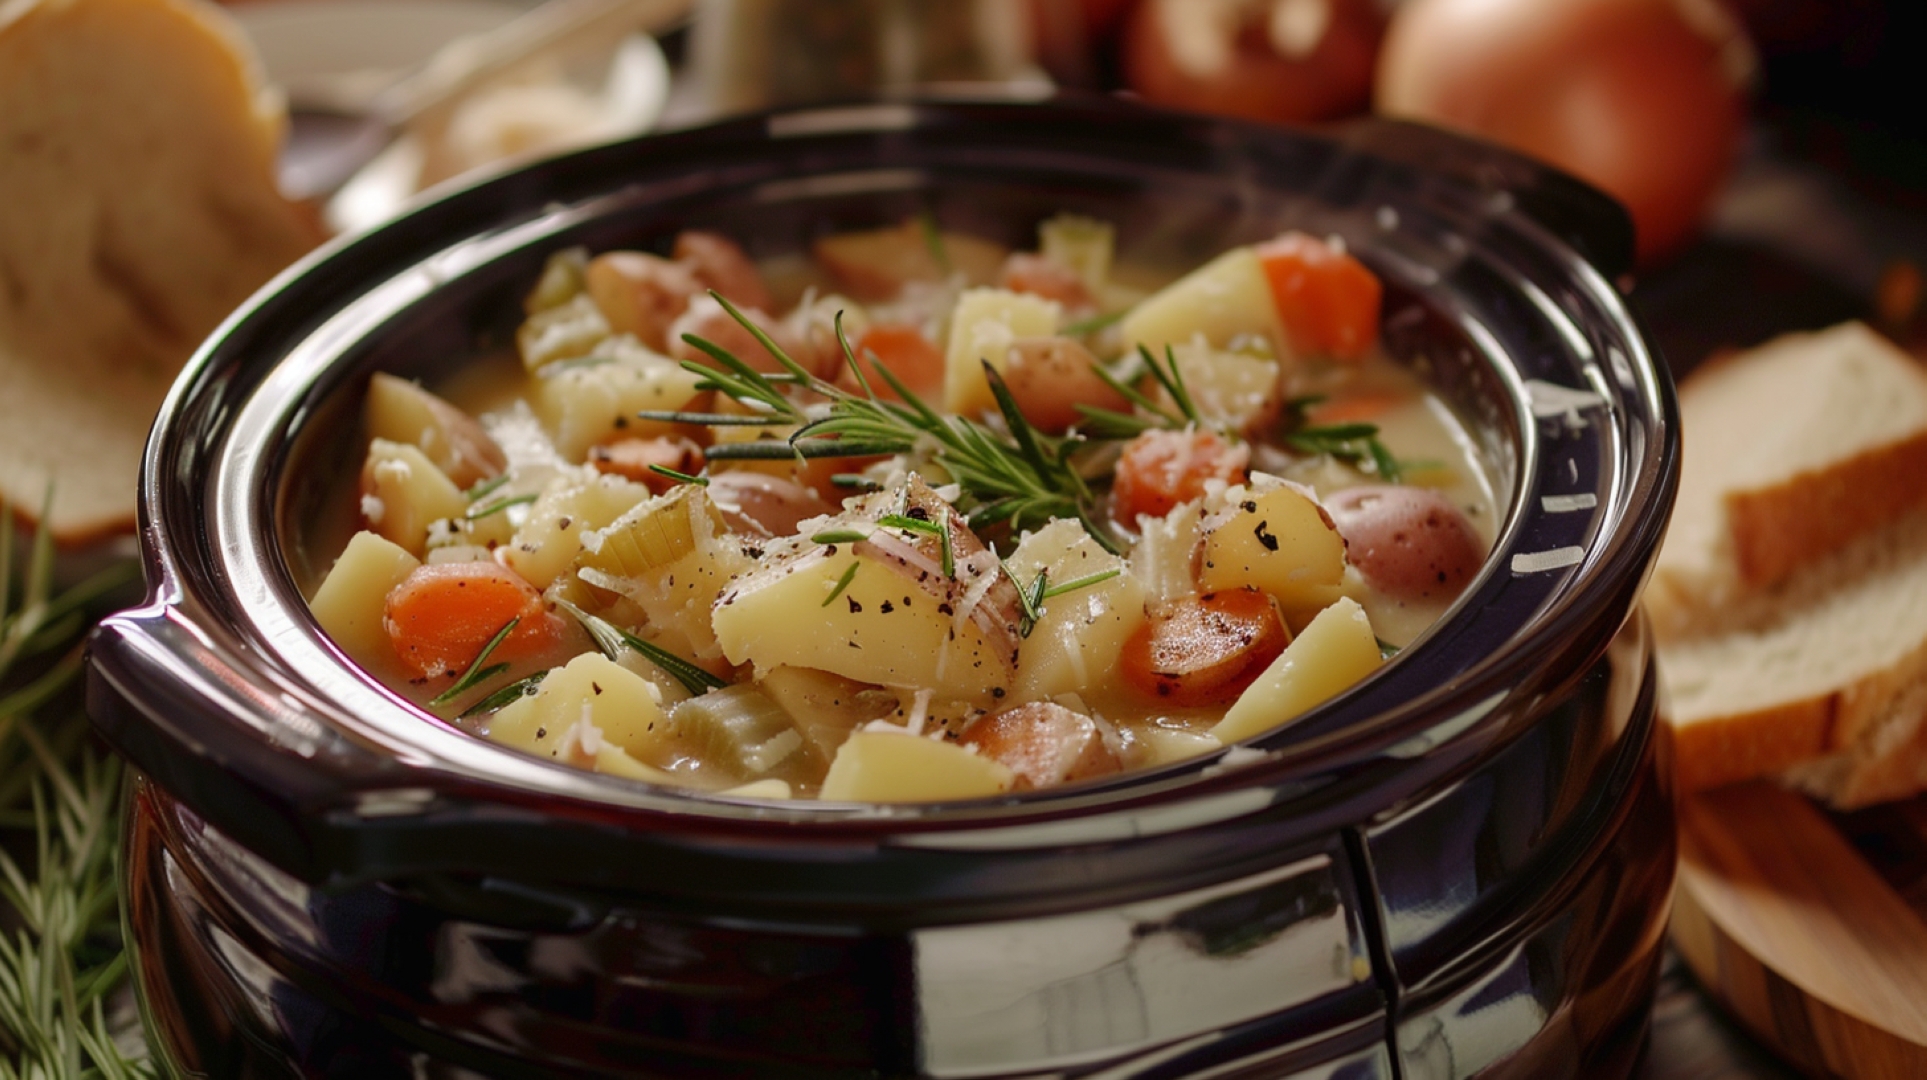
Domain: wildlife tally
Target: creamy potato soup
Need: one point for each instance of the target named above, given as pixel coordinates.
(912, 518)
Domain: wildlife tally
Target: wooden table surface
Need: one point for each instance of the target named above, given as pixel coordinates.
(1693, 1040)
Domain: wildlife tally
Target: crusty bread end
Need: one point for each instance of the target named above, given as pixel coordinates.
(138, 207)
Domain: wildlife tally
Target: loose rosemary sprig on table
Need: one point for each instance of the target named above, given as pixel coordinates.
(60, 950)
(1019, 476)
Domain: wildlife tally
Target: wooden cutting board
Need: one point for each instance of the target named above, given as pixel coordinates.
(1810, 926)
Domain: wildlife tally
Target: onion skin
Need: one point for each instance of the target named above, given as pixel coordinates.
(1646, 99)
(1283, 61)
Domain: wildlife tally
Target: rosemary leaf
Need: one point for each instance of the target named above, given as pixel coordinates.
(1087, 327)
(840, 536)
(611, 639)
(949, 555)
(485, 487)
(910, 524)
(703, 419)
(477, 513)
(679, 477)
(506, 696)
(477, 673)
(1079, 583)
(842, 583)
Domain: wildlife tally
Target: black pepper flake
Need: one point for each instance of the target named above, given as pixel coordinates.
(855, 609)
(1250, 506)
(829, 549)
(1263, 533)
(996, 691)
(597, 688)
(917, 512)
(887, 607)
(621, 422)
(541, 733)
(944, 608)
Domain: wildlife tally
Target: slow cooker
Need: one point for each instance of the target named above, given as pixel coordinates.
(1459, 868)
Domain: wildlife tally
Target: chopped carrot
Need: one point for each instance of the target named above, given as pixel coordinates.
(1044, 744)
(911, 357)
(1204, 650)
(442, 614)
(1327, 300)
(1161, 469)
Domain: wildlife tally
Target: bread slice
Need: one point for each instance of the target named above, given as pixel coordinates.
(1792, 450)
(1824, 674)
(138, 207)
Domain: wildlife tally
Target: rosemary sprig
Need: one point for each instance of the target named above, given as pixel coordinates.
(1354, 444)
(479, 669)
(1084, 582)
(612, 639)
(679, 477)
(60, 957)
(485, 487)
(1019, 476)
(1089, 326)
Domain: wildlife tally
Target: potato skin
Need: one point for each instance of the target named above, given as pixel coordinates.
(1410, 543)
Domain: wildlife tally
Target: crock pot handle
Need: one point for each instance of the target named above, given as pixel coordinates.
(1592, 222)
(235, 748)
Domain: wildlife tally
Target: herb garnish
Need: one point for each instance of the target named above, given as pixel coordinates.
(1354, 443)
(476, 674)
(477, 513)
(679, 477)
(506, 696)
(842, 583)
(611, 639)
(1022, 476)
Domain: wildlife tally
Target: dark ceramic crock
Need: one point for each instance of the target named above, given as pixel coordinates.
(1458, 868)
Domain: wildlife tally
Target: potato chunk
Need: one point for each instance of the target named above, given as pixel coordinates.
(888, 767)
(1336, 650)
(1078, 634)
(880, 610)
(402, 492)
(349, 603)
(983, 327)
(1226, 298)
(548, 540)
(581, 709)
(597, 398)
(400, 411)
(1280, 541)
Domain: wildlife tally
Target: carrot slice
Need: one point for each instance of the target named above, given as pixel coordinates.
(442, 614)
(1327, 300)
(1161, 469)
(1204, 650)
(911, 357)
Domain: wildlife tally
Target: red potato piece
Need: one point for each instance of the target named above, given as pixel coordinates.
(721, 264)
(456, 442)
(640, 294)
(707, 319)
(1161, 469)
(1049, 377)
(1043, 276)
(876, 264)
(759, 503)
(1044, 744)
(442, 614)
(632, 458)
(1204, 650)
(1410, 543)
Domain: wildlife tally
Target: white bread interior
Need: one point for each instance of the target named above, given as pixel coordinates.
(138, 207)
(1791, 451)
(1790, 597)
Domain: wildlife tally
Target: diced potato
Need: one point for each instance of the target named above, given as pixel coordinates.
(568, 330)
(596, 399)
(350, 601)
(1162, 562)
(1162, 745)
(1221, 301)
(402, 492)
(548, 540)
(1081, 243)
(1336, 650)
(880, 610)
(825, 707)
(876, 264)
(1077, 635)
(1280, 541)
(561, 280)
(982, 327)
(580, 707)
(892, 768)
(1237, 391)
(400, 411)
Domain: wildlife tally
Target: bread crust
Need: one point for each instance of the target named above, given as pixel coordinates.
(138, 207)
(1781, 527)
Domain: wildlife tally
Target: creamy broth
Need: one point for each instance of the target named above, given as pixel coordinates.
(780, 628)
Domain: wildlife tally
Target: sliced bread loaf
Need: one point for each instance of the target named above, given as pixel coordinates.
(1825, 674)
(137, 207)
(1791, 450)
